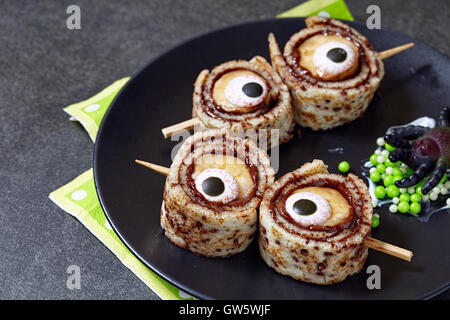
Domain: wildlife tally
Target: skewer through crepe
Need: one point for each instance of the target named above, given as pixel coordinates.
(241, 95)
(195, 121)
(369, 242)
(212, 192)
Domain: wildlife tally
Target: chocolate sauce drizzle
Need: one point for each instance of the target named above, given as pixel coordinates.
(303, 75)
(214, 110)
(278, 210)
(228, 148)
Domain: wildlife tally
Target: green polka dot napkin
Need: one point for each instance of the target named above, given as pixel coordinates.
(90, 112)
(323, 8)
(79, 197)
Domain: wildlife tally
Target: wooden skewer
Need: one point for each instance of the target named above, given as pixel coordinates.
(177, 128)
(390, 52)
(369, 242)
(154, 167)
(388, 248)
(191, 123)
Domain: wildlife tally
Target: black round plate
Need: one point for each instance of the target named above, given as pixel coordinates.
(417, 83)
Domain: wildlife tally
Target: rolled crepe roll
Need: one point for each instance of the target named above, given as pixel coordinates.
(332, 72)
(324, 247)
(241, 95)
(195, 214)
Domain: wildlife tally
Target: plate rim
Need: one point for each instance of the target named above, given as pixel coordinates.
(136, 75)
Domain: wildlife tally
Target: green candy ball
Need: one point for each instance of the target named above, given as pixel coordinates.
(388, 180)
(375, 176)
(373, 159)
(381, 168)
(415, 208)
(392, 191)
(380, 192)
(419, 191)
(415, 197)
(403, 207)
(375, 221)
(344, 166)
(397, 172)
(404, 197)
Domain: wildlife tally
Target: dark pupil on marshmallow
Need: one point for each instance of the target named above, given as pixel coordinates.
(252, 89)
(337, 55)
(304, 207)
(213, 186)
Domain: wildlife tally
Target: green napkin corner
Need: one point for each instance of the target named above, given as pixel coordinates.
(323, 8)
(79, 197)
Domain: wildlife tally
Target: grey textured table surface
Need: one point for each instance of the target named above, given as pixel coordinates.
(44, 67)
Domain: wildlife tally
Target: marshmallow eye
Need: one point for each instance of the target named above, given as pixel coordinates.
(334, 58)
(246, 91)
(217, 185)
(307, 208)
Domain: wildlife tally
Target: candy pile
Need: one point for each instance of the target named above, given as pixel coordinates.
(385, 173)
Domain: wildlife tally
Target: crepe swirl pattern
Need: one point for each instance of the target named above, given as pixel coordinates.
(315, 254)
(274, 112)
(209, 228)
(325, 104)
